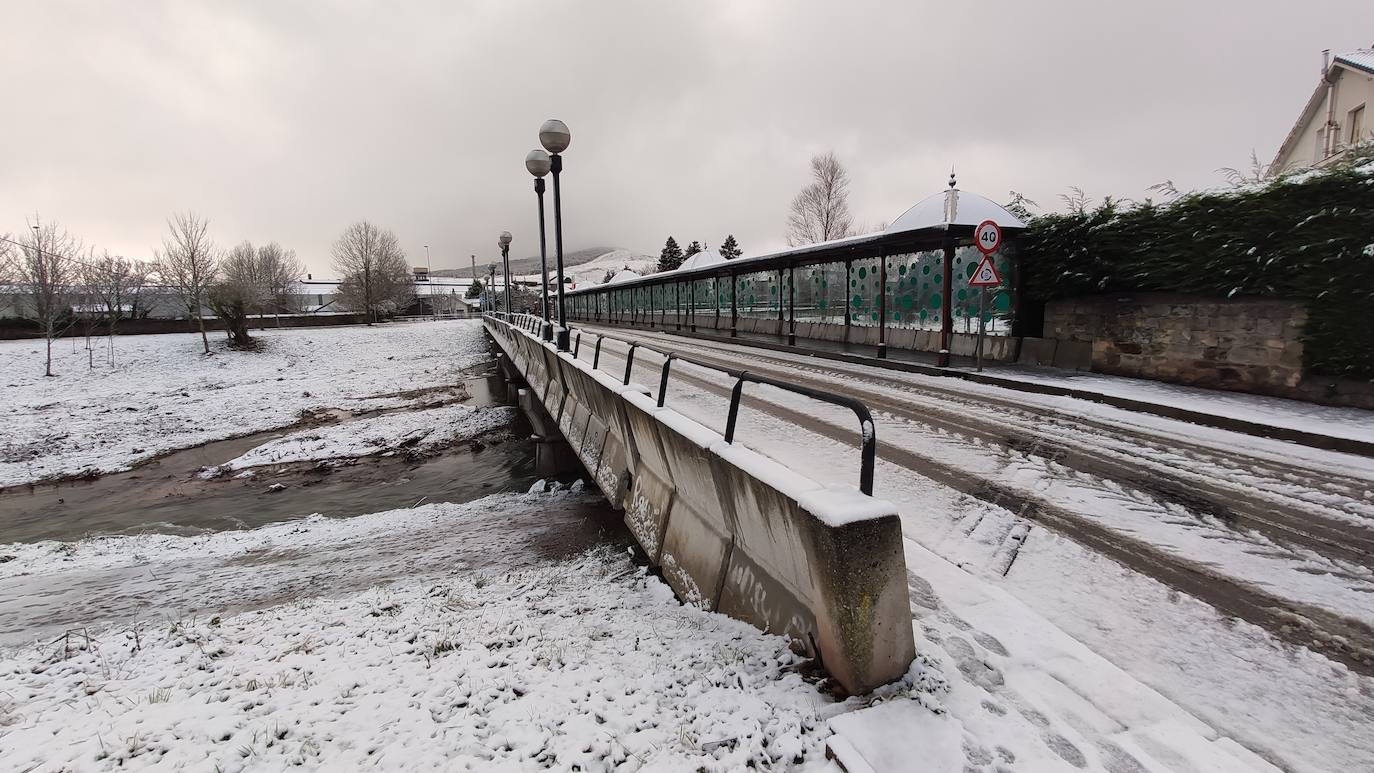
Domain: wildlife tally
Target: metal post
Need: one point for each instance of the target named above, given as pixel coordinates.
(946, 317)
(982, 322)
(848, 299)
(505, 261)
(792, 306)
(734, 303)
(546, 332)
(882, 304)
(557, 168)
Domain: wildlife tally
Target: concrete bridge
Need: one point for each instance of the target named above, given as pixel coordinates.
(731, 530)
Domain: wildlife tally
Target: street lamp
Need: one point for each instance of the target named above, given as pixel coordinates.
(504, 241)
(555, 138)
(429, 290)
(538, 163)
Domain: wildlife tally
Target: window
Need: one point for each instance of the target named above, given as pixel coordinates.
(1356, 124)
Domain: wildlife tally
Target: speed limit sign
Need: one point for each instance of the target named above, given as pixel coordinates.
(987, 237)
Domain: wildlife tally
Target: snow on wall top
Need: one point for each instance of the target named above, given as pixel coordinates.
(953, 207)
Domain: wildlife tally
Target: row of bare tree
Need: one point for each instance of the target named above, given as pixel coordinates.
(60, 281)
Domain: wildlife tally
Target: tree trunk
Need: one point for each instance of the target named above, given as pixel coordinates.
(204, 339)
(47, 371)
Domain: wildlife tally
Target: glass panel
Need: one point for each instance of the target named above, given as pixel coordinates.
(757, 294)
(863, 292)
(820, 293)
(913, 289)
(965, 303)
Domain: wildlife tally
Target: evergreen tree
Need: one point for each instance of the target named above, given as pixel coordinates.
(608, 276)
(475, 289)
(729, 249)
(692, 249)
(671, 256)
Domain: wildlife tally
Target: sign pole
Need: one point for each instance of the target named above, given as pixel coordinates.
(982, 323)
(987, 237)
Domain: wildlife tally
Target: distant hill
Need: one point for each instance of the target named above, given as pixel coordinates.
(531, 265)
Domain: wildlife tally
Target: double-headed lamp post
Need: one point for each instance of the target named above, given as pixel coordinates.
(538, 164)
(555, 138)
(504, 241)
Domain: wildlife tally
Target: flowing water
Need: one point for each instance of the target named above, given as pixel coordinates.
(166, 495)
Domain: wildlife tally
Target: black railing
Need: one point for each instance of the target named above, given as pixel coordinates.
(868, 439)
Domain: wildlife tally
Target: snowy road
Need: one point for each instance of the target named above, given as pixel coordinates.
(1274, 538)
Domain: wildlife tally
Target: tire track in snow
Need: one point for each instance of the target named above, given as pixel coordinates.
(1336, 636)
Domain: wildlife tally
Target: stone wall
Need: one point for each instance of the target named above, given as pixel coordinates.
(1248, 345)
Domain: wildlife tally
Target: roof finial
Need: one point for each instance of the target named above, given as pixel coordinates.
(951, 176)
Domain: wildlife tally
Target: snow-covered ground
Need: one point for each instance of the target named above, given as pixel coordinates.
(163, 394)
(594, 270)
(1352, 423)
(421, 431)
(1289, 705)
(440, 637)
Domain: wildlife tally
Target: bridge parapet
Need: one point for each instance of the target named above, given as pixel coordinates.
(731, 530)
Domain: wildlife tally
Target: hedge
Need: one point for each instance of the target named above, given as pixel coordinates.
(1307, 237)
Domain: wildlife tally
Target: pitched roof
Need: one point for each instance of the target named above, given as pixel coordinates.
(1361, 59)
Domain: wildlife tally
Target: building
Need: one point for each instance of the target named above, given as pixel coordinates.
(1335, 117)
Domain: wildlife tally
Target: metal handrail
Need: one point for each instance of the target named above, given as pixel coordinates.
(868, 432)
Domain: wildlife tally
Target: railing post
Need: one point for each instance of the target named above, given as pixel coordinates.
(630, 362)
(596, 355)
(663, 380)
(734, 408)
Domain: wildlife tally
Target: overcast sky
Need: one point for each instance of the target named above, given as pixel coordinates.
(287, 121)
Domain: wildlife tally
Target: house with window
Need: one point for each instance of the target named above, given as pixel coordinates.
(1336, 116)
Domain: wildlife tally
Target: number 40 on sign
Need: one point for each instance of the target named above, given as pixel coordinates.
(987, 237)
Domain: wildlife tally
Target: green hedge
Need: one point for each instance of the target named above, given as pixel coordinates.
(1306, 237)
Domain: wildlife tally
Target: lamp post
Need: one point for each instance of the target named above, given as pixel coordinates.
(555, 138)
(538, 164)
(429, 289)
(504, 241)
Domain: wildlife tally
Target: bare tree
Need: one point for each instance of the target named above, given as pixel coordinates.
(112, 283)
(187, 263)
(240, 288)
(47, 273)
(281, 272)
(375, 277)
(820, 212)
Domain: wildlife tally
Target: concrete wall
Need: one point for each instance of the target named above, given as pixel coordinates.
(10, 329)
(731, 530)
(1247, 345)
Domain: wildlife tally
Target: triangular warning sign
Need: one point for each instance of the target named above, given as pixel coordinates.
(985, 275)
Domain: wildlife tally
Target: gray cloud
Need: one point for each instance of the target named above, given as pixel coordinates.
(288, 121)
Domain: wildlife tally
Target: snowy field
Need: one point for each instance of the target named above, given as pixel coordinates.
(429, 638)
(163, 394)
(585, 662)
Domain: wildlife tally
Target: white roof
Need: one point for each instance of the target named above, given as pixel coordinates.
(953, 207)
(703, 258)
(624, 275)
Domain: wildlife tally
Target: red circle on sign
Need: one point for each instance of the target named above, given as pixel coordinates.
(987, 237)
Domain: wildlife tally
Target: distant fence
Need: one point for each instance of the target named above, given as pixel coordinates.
(11, 329)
